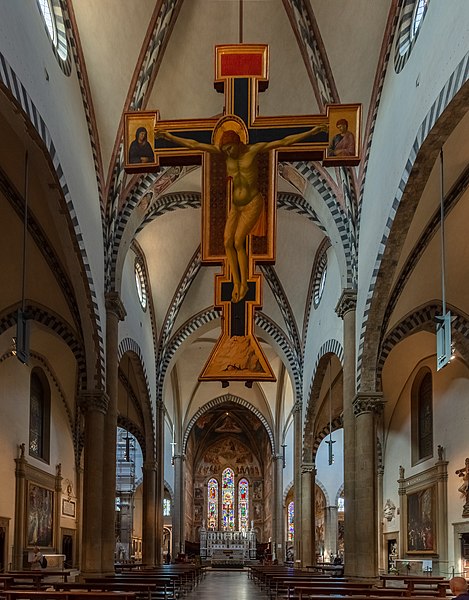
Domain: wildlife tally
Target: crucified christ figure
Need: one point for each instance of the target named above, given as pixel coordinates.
(247, 201)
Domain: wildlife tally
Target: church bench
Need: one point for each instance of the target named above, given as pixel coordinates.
(167, 586)
(287, 588)
(143, 591)
(279, 584)
(179, 581)
(28, 594)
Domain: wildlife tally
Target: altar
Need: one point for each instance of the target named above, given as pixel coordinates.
(238, 546)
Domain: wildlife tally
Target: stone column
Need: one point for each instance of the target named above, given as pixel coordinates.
(159, 480)
(149, 513)
(331, 530)
(308, 474)
(346, 311)
(94, 405)
(115, 312)
(278, 534)
(366, 406)
(298, 442)
(58, 505)
(178, 512)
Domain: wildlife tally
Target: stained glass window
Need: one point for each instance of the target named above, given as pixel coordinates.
(228, 516)
(291, 522)
(212, 516)
(243, 504)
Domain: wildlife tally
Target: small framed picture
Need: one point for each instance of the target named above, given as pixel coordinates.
(139, 142)
(68, 508)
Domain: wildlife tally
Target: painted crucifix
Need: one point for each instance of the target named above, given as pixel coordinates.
(239, 154)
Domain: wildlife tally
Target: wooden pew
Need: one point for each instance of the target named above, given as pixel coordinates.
(169, 586)
(26, 594)
(143, 591)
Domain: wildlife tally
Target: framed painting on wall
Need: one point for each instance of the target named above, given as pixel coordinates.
(421, 521)
(39, 516)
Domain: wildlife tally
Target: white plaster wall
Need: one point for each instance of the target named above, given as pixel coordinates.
(60, 104)
(405, 101)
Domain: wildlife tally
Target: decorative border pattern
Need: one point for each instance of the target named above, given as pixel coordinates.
(331, 346)
(220, 400)
(307, 32)
(406, 38)
(10, 82)
(60, 49)
(455, 82)
(422, 319)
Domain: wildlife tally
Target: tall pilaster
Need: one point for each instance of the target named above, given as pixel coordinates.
(20, 503)
(149, 513)
(178, 513)
(159, 480)
(308, 476)
(278, 531)
(346, 311)
(366, 407)
(115, 312)
(94, 405)
(298, 442)
(331, 530)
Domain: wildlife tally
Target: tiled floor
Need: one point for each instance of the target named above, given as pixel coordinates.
(227, 585)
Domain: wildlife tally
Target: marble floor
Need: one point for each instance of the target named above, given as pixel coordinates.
(226, 585)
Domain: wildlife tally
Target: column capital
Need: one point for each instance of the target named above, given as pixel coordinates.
(347, 302)
(297, 407)
(179, 457)
(368, 402)
(94, 400)
(149, 466)
(114, 305)
(308, 468)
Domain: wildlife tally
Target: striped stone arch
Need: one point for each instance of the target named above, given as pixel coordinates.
(339, 493)
(175, 343)
(10, 83)
(146, 76)
(339, 216)
(287, 489)
(221, 400)
(173, 311)
(453, 85)
(131, 427)
(170, 490)
(322, 487)
(284, 343)
(282, 301)
(422, 319)
(331, 347)
(313, 282)
(337, 423)
(314, 54)
(130, 345)
(59, 327)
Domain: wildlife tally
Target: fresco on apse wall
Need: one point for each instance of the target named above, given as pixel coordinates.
(228, 452)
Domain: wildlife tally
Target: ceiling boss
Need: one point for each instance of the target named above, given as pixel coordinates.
(239, 154)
